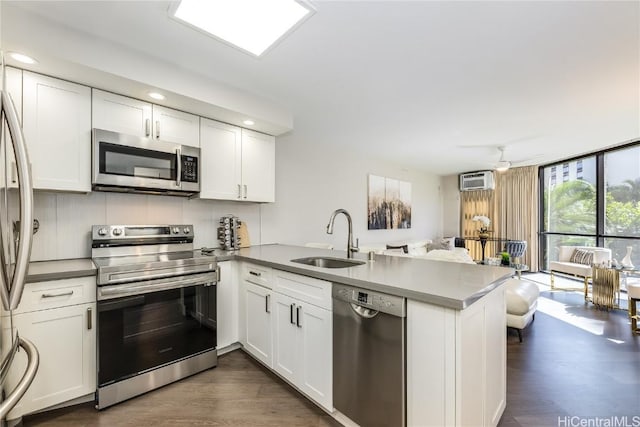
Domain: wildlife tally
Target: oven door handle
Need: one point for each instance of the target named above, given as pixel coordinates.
(148, 286)
(121, 303)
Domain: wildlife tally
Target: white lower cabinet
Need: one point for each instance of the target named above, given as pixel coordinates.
(65, 336)
(227, 295)
(254, 329)
(258, 341)
(302, 334)
(285, 336)
(456, 366)
(289, 328)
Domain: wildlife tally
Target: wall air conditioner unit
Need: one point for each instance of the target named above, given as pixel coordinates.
(482, 180)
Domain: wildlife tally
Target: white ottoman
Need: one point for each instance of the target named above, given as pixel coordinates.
(522, 301)
(633, 291)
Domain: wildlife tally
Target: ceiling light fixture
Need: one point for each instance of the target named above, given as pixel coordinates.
(156, 95)
(20, 57)
(502, 165)
(251, 25)
(249, 122)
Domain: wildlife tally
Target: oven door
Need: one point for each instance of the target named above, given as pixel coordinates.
(139, 333)
(129, 161)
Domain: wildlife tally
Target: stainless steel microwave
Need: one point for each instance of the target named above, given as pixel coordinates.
(127, 163)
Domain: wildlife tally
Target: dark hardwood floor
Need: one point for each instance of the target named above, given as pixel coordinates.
(560, 370)
(238, 392)
(585, 365)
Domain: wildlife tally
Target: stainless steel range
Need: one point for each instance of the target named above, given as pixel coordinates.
(156, 308)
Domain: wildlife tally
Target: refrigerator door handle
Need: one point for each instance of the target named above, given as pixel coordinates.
(11, 296)
(33, 360)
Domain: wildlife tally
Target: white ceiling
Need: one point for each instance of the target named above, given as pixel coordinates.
(412, 81)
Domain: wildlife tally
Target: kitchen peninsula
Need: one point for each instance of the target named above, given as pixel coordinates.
(455, 326)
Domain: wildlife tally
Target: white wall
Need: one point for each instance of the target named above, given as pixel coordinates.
(313, 180)
(451, 205)
(66, 219)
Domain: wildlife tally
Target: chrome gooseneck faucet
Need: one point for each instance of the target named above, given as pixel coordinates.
(350, 248)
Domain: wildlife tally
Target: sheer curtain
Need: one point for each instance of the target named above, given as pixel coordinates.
(512, 208)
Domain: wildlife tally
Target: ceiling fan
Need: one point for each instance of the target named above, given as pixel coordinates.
(503, 164)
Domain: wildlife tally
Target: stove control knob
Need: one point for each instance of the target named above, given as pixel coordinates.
(102, 232)
(175, 230)
(186, 230)
(117, 231)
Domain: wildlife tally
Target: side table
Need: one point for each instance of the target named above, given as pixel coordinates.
(605, 287)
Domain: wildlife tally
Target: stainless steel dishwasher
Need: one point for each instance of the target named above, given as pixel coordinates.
(369, 356)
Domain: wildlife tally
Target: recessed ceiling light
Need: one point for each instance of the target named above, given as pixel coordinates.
(249, 122)
(251, 25)
(156, 95)
(22, 58)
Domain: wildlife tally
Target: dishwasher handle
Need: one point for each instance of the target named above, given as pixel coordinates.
(365, 312)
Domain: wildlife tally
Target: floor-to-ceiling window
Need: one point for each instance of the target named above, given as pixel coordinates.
(592, 201)
(569, 206)
(622, 203)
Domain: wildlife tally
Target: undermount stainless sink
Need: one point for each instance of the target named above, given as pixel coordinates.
(328, 262)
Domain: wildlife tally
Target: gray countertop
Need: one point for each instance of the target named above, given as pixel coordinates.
(41, 271)
(446, 284)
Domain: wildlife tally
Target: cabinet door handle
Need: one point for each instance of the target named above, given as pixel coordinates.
(298, 317)
(147, 127)
(64, 294)
(239, 191)
(291, 314)
(245, 191)
(267, 300)
(255, 273)
(158, 129)
(89, 319)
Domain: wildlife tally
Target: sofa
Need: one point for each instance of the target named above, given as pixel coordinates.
(570, 262)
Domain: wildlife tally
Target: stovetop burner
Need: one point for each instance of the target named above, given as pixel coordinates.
(134, 253)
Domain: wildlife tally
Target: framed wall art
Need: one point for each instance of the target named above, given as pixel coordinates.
(389, 203)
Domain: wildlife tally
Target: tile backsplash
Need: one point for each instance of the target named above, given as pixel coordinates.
(66, 219)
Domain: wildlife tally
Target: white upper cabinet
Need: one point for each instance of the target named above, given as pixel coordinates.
(176, 126)
(118, 113)
(258, 166)
(57, 127)
(237, 164)
(221, 157)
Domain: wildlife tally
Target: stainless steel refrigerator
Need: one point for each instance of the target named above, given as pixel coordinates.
(16, 235)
